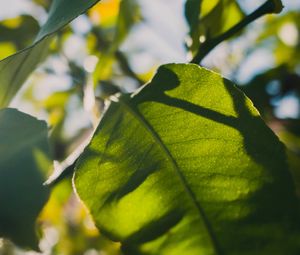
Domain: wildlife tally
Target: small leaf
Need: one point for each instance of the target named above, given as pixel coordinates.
(18, 31)
(129, 14)
(216, 18)
(192, 14)
(15, 69)
(24, 153)
(187, 166)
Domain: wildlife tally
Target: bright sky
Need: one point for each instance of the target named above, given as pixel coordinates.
(13, 8)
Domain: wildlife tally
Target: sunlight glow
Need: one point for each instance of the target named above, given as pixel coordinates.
(288, 34)
(202, 39)
(288, 107)
(51, 237)
(75, 48)
(81, 25)
(90, 63)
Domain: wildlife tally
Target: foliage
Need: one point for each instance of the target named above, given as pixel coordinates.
(182, 165)
(24, 153)
(176, 148)
(15, 69)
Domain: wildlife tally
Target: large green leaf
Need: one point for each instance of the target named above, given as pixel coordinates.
(24, 153)
(187, 166)
(15, 69)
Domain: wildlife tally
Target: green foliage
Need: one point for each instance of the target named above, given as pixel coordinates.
(129, 15)
(18, 32)
(61, 13)
(184, 165)
(15, 69)
(222, 17)
(192, 14)
(24, 154)
(175, 169)
(216, 18)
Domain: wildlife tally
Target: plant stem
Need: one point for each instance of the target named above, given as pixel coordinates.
(270, 6)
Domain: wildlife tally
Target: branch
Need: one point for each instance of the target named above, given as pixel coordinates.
(271, 6)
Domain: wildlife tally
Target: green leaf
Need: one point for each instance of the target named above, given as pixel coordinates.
(15, 69)
(187, 166)
(192, 14)
(24, 153)
(216, 18)
(222, 17)
(18, 31)
(129, 15)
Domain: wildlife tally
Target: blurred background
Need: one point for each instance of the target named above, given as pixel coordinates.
(117, 46)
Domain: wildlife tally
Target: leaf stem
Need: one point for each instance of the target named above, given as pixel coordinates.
(270, 6)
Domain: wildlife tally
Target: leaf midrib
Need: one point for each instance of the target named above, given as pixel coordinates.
(136, 114)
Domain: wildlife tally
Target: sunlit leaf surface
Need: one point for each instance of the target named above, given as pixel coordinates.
(187, 166)
(25, 155)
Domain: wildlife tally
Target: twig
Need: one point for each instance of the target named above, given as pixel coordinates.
(271, 6)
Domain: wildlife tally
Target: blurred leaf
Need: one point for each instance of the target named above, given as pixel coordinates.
(7, 49)
(207, 6)
(223, 16)
(19, 31)
(24, 154)
(57, 99)
(107, 89)
(268, 87)
(77, 233)
(106, 13)
(129, 15)
(15, 69)
(216, 18)
(294, 127)
(53, 210)
(281, 36)
(187, 166)
(292, 142)
(56, 105)
(192, 14)
(44, 3)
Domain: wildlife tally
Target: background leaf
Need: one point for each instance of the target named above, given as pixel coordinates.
(18, 32)
(128, 16)
(192, 14)
(216, 18)
(187, 166)
(25, 155)
(15, 69)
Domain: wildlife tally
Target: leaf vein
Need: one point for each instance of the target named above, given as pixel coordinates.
(135, 113)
